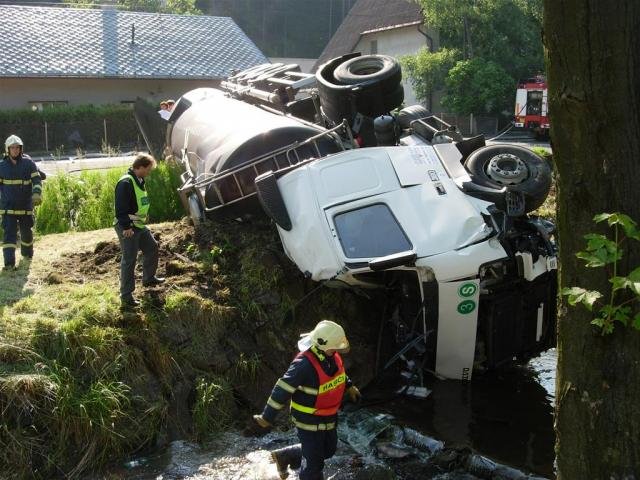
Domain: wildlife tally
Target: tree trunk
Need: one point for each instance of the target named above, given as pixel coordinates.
(468, 47)
(593, 66)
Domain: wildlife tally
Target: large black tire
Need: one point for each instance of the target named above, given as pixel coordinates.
(380, 69)
(411, 113)
(373, 103)
(516, 168)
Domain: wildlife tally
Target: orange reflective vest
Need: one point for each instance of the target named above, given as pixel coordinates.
(330, 388)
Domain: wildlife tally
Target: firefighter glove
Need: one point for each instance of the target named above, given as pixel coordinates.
(354, 394)
(257, 427)
(36, 198)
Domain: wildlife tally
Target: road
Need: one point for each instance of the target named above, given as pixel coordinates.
(73, 165)
(522, 139)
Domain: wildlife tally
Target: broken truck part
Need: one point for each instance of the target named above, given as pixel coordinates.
(365, 198)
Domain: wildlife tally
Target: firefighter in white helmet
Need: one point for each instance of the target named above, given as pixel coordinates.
(20, 190)
(314, 385)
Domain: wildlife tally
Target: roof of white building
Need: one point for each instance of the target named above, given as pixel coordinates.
(108, 43)
(368, 16)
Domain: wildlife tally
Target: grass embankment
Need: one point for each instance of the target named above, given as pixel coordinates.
(82, 383)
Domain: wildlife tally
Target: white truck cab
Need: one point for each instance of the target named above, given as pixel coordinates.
(359, 215)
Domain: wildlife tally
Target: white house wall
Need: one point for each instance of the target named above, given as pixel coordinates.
(18, 92)
(397, 42)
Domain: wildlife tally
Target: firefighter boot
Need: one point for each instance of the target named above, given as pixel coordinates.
(285, 457)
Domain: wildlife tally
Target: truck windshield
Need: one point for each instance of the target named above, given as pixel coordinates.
(370, 232)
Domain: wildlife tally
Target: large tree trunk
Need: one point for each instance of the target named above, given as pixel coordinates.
(593, 65)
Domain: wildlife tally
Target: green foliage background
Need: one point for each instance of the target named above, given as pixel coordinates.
(86, 202)
(184, 7)
(487, 46)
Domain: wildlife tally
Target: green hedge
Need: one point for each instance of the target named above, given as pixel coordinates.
(72, 127)
(86, 202)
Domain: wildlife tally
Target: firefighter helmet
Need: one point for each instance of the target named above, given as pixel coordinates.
(11, 141)
(327, 335)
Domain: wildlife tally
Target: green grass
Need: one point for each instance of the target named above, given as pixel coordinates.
(64, 366)
(213, 407)
(86, 202)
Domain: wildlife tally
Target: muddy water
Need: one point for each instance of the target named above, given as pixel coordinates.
(505, 415)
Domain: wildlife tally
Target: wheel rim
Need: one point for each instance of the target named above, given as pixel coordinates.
(507, 169)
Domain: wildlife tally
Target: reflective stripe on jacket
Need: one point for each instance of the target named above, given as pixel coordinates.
(328, 395)
(300, 384)
(17, 185)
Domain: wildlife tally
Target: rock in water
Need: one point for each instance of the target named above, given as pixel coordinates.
(392, 450)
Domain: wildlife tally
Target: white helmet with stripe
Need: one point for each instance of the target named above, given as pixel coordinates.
(326, 335)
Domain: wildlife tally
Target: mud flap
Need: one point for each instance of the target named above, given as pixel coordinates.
(152, 127)
(271, 199)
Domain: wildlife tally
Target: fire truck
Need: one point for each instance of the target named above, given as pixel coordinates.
(531, 105)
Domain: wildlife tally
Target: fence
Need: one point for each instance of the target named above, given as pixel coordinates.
(470, 125)
(57, 138)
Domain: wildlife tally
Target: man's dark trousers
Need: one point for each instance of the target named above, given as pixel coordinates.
(10, 225)
(142, 240)
(316, 448)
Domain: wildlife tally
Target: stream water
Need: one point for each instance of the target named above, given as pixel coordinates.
(506, 416)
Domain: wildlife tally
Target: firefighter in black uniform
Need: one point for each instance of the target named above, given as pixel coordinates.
(20, 190)
(314, 384)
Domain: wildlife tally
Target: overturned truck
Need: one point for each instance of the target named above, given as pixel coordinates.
(367, 197)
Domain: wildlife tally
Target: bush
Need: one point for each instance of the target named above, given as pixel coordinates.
(70, 127)
(86, 202)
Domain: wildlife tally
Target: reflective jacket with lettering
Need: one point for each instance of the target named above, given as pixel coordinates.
(314, 384)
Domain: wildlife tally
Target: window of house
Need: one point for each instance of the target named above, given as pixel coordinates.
(374, 46)
(41, 105)
(370, 232)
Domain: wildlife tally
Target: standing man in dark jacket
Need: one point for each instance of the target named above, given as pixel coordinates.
(20, 190)
(132, 208)
(314, 384)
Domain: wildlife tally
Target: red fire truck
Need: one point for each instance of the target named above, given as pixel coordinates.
(531, 105)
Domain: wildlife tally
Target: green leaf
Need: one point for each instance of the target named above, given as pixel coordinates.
(580, 295)
(634, 281)
(636, 321)
(604, 323)
(596, 241)
(622, 315)
(629, 225)
(619, 283)
(601, 217)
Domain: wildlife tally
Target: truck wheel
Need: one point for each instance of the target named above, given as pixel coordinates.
(513, 167)
(380, 69)
(411, 113)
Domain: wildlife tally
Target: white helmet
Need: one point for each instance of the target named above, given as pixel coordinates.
(11, 141)
(327, 335)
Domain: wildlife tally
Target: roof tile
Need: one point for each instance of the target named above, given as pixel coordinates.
(49, 41)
